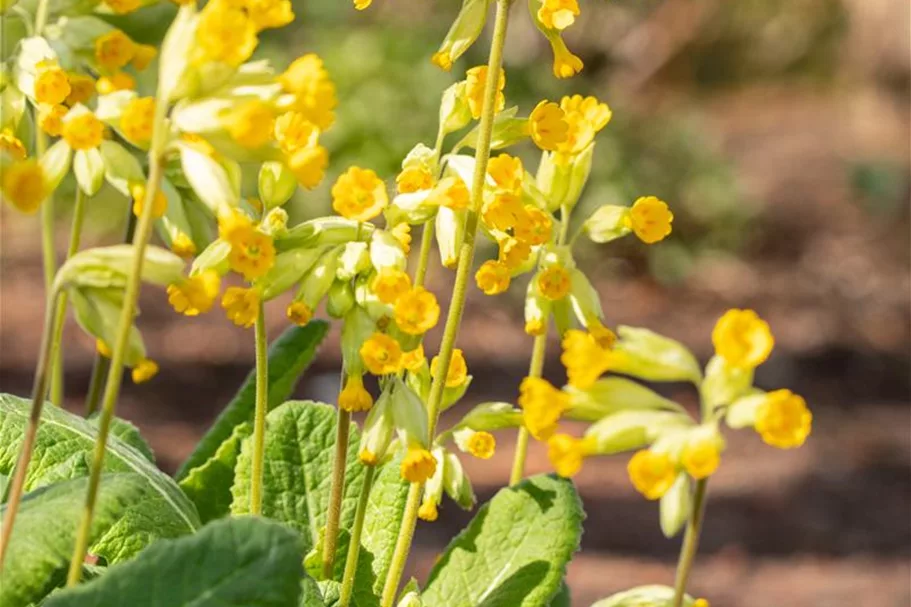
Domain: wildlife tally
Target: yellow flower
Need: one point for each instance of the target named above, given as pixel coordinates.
(536, 227)
(742, 339)
(513, 252)
(359, 194)
(366, 456)
(476, 80)
(701, 457)
(492, 277)
(309, 81)
(299, 313)
(233, 226)
(137, 119)
(603, 336)
(482, 445)
(783, 419)
(558, 14)
(122, 7)
(566, 453)
(83, 132)
(225, 34)
(650, 219)
(542, 406)
(595, 113)
(413, 360)
(50, 120)
(269, 13)
(252, 253)
(651, 473)
(309, 165)
(428, 510)
(293, 131)
(144, 370)
(381, 354)
(547, 125)
(159, 204)
(416, 311)
(554, 283)
(585, 117)
(250, 124)
(507, 173)
(51, 84)
(82, 88)
(566, 65)
(458, 369)
(24, 185)
(584, 358)
(102, 348)
(118, 81)
(413, 179)
(418, 465)
(389, 284)
(183, 246)
(701, 603)
(362, 4)
(196, 294)
(504, 212)
(536, 326)
(354, 397)
(241, 306)
(451, 193)
(11, 144)
(402, 233)
(143, 56)
(114, 50)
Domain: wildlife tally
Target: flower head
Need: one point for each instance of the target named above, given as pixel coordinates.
(50, 120)
(650, 219)
(354, 397)
(651, 473)
(241, 305)
(493, 277)
(504, 212)
(183, 246)
(83, 132)
(196, 294)
(554, 282)
(24, 185)
(513, 252)
(309, 165)
(359, 194)
(566, 453)
(584, 358)
(114, 50)
(458, 369)
(413, 179)
(566, 65)
(293, 131)
(381, 354)
(428, 510)
(137, 119)
(52, 86)
(742, 339)
(11, 144)
(481, 445)
(299, 313)
(542, 406)
(558, 14)
(143, 56)
(476, 80)
(159, 204)
(144, 370)
(416, 311)
(701, 457)
(418, 465)
(118, 81)
(451, 193)
(225, 34)
(250, 124)
(82, 87)
(536, 228)
(783, 419)
(402, 233)
(507, 173)
(547, 125)
(267, 14)
(252, 252)
(309, 81)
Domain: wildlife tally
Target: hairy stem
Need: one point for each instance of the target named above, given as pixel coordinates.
(460, 287)
(535, 368)
(424, 256)
(259, 417)
(690, 542)
(354, 545)
(337, 490)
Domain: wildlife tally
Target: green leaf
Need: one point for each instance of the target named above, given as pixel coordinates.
(383, 519)
(299, 451)
(246, 562)
(515, 550)
(643, 596)
(563, 598)
(310, 593)
(289, 356)
(209, 485)
(63, 448)
(43, 538)
(129, 434)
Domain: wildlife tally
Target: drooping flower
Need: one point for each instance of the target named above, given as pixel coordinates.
(50, 120)
(742, 338)
(114, 50)
(584, 358)
(783, 419)
(650, 219)
(389, 284)
(482, 445)
(138, 119)
(250, 124)
(354, 397)
(554, 282)
(293, 131)
(225, 34)
(536, 227)
(476, 81)
(24, 185)
(241, 305)
(118, 81)
(416, 311)
(196, 294)
(183, 246)
(52, 86)
(566, 453)
(314, 91)
(413, 179)
(504, 212)
(457, 373)
(558, 14)
(507, 173)
(159, 203)
(701, 457)
(418, 465)
(359, 194)
(542, 406)
(547, 125)
(299, 313)
(651, 473)
(381, 354)
(309, 165)
(83, 132)
(11, 144)
(492, 277)
(144, 370)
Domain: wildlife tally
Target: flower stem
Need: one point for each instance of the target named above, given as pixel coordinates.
(535, 368)
(457, 303)
(690, 542)
(337, 490)
(354, 545)
(259, 419)
(39, 389)
(119, 347)
(424, 256)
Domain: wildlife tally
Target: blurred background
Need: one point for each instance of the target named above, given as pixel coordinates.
(778, 131)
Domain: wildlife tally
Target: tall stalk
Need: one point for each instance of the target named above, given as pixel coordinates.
(337, 489)
(354, 545)
(457, 303)
(119, 347)
(259, 418)
(690, 543)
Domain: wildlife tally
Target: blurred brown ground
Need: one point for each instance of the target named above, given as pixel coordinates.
(828, 525)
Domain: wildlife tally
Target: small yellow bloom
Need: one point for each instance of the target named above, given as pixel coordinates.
(241, 306)
(537, 227)
(144, 370)
(451, 193)
(492, 277)
(413, 179)
(368, 457)
(114, 50)
(233, 226)
(299, 313)
(507, 173)
(402, 233)
(293, 131)
(252, 254)
(542, 406)
(536, 327)
(381, 354)
(11, 144)
(50, 120)
(783, 420)
(513, 252)
(143, 56)
(159, 204)
(558, 14)
(701, 603)
(82, 87)
(250, 124)
(476, 80)
(547, 125)
(584, 358)
(196, 294)
(362, 4)
(389, 284)
(566, 65)
(418, 465)
(603, 336)
(83, 132)
(554, 283)
(309, 165)
(482, 445)
(122, 7)
(359, 194)
(416, 311)
(651, 473)
(102, 348)
(51, 84)
(309, 81)
(137, 119)
(267, 14)
(354, 397)
(701, 457)
(118, 81)
(428, 510)
(225, 34)
(413, 360)
(24, 185)
(458, 369)
(504, 212)
(595, 113)
(566, 453)
(183, 246)
(650, 219)
(742, 339)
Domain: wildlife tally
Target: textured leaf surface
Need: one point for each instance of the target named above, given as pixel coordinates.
(289, 356)
(300, 447)
(383, 519)
(514, 552)
(246, 562)
(644, 596)
(129, 434)
(209, 485)
(43, 538)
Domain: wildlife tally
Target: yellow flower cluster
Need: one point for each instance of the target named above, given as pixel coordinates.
(585, 117)
(542, 406)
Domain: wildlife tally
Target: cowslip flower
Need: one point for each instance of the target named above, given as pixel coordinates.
(144, 370)
(507, 173)
(299, 313)
(554, 282)
(143, 56)
(428, 511)
(250, 124)
(567, 453)
(354, 397)
(138, 119)
(476, 80)
(252, 251)
(547, 125)
(114, 50)
(413, 360)
(783, 420)
(413, 179)
(542, 406)
(742, 338)
(558, 14)
(52, 86)
(183, 246)
(482, 445)
(389, 284)
(585, 117)
(293, 131)
(159, 203)
(267, 14)
(451, 193)
(493, 277)
(83, 132)
(308, 165)
(402, 233)
(584, 358)
(457, 373)
(241, 305)
(118, 81)
(504, 212)
(650, 219)
(82, 87)
(225, 34)
(701, 457)
(416, 311)
(381, 354)
(566, 64)
(418, 465)
(536, 227)
(11, 144)
(314, 91)
(50, 120)
(359, 194)
(24, 185)
(651, 473)
(196, 294)
(513, 252)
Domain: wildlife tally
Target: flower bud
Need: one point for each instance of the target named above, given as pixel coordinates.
(97, 311)
(379, 430)
(450, 231)
(357, 327)
(652, 357)
(325, 231)
(340, 299)
(628, 430)
(562, 184)
(488, 417)
(608, 223)
(289, 267)
(724, 383)
(319, 278)
(613, 394)
(386, 251)
(465, 30)
(213, 257)
(675, 506)
(410, 416)
(276, 184)
(353, 260)
(456, 481)
(433, 489)
(454, 110)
